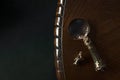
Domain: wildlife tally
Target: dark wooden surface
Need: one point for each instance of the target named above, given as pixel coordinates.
(104, 18)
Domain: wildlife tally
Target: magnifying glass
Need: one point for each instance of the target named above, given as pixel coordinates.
(79, 29)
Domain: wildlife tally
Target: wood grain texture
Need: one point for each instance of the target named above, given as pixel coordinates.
(104, 18)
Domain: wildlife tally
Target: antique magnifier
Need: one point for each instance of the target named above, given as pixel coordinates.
(79, 29)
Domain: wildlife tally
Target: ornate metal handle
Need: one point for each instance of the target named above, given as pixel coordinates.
(99, 64)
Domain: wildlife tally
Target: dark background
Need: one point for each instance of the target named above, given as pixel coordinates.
(26, 39)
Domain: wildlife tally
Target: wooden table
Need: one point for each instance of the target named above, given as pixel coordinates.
(104, 19)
